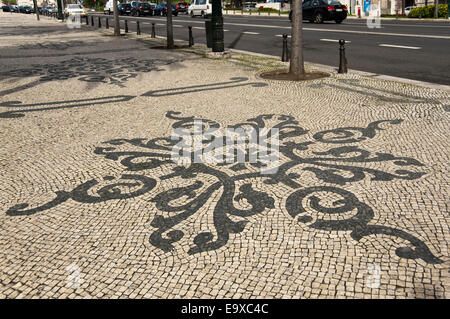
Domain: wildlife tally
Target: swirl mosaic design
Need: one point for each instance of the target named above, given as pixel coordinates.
(342, 163)
(95, 70)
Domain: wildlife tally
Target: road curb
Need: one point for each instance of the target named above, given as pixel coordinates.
(328, 68)
(286, 16)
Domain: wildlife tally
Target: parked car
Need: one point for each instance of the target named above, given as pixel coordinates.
(249, 7)
(6, 8)
(408, 9)
(161, 10)
(182, 7)
(25, 9)
(318, 11)
(52, 10)
(124, 8)
(74, 9)
(201, 8)
(141, 9)
(14, 8)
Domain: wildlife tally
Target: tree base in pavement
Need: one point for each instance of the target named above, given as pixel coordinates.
(164, 47)
(284, 75)
(218, 55)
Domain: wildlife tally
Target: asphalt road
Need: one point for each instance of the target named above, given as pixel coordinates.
(418, 50)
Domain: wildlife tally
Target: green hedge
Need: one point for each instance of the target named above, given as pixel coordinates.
(428, 11)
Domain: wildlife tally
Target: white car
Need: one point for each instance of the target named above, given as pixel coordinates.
(74, 9)
(201, 8)
(408, 10)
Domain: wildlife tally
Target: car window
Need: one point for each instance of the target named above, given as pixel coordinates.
(306, 4)
(331, 2)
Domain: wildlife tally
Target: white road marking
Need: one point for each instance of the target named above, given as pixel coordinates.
(280, 35)
(334, 40)
(178, 26)
(429, 36)
(399, 46)
(247, 32)
(198, 28)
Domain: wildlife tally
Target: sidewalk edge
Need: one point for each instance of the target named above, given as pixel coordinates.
(362, 73)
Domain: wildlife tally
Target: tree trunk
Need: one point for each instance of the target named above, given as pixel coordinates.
(170, 44)
(436, 9)
(296, 67)
(36, 10)
(116, 19)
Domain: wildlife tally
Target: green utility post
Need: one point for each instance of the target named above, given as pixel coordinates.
(60, 11)
(448, 9)
(217, 26)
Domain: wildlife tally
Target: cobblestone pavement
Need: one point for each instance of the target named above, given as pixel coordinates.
(93, 206)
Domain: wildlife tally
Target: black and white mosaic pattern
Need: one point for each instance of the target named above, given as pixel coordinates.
(343, 163)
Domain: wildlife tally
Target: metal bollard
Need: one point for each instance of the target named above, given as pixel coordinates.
(126, 26)
(285, 54)
(99, 23)
(191, 38)
(107, 23)
(342, 58)
(87, 20)
(92, 20)
(153, 31)
(138, 28)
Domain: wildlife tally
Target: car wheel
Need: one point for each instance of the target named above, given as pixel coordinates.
(338, 21)
(318, 18)
(192, 14)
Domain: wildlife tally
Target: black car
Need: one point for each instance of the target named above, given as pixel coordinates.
(124, 8)
(161, 10)
(26, 9)
(141, 9)
(319, 11)
(182, 7)
(6, 8)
